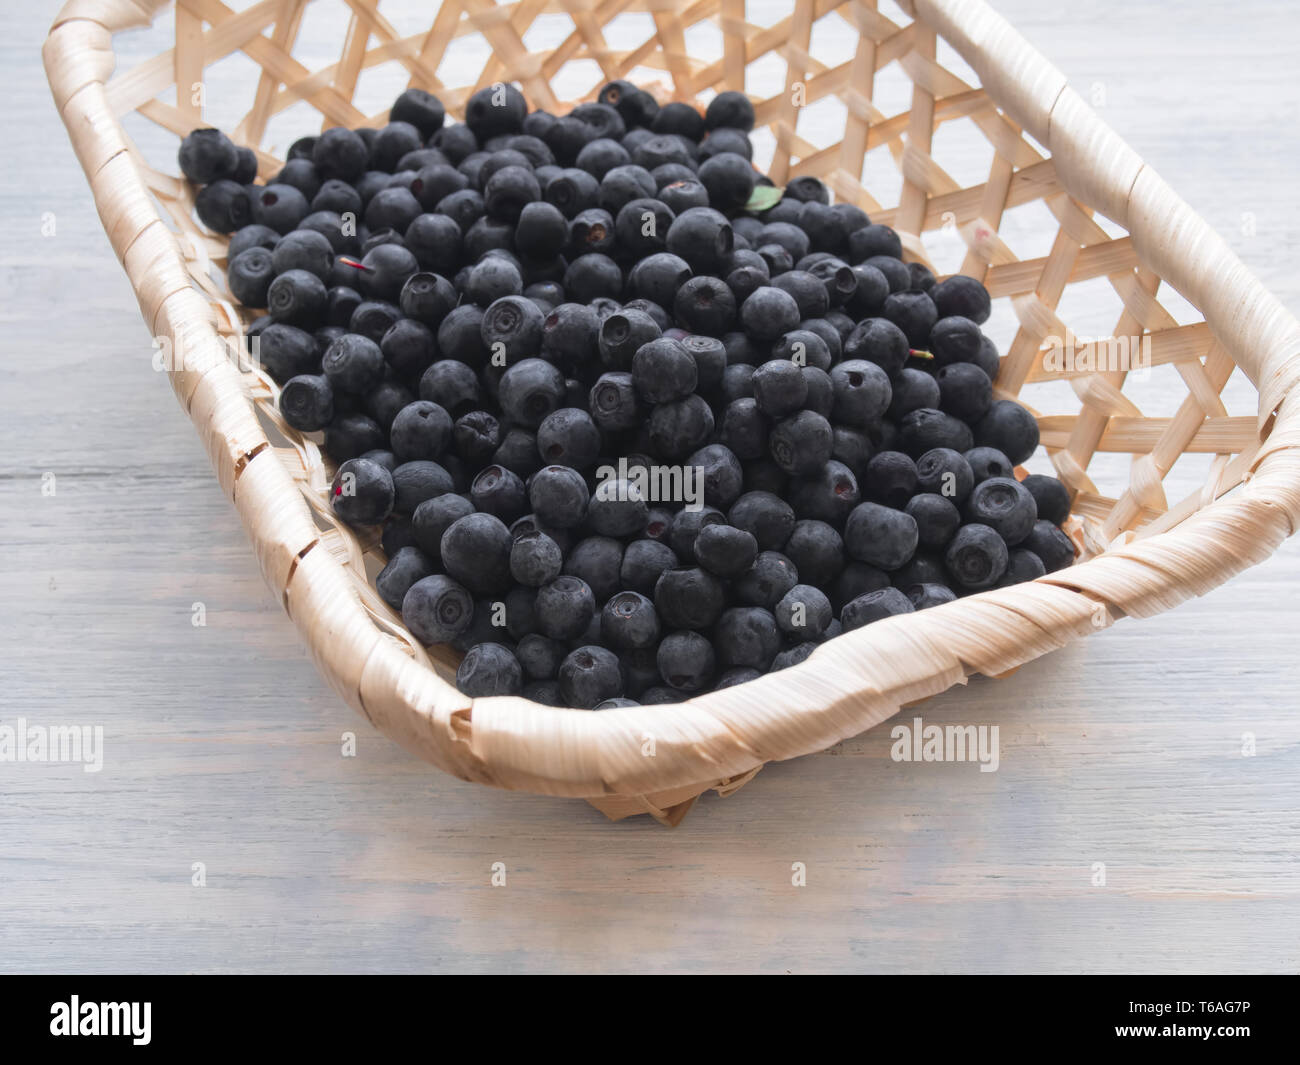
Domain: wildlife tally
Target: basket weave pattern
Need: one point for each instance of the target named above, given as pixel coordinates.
(1143, 554)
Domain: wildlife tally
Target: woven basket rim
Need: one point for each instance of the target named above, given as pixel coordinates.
(849, 684)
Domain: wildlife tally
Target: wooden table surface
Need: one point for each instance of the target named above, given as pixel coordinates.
(223, 747)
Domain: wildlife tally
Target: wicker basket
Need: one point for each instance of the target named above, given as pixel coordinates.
(1141, 553)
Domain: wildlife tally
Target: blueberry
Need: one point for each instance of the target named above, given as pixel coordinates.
(535, 559)
(508, 191)
(880, 536)
(679, 118)
(880, 341)
(493, 278)
(373, 318)
(362, 492)
(569, 437)
(873, 607)
(499, 491)
(253, 235)
(628, 620)
(872, 240)
(805, 348)
(407, 566)
(768, 313)
(725, 550)
(617, 508)
(857, 578)
(570, 335)
(680, 427)
(421, 430)
(433, 517)
(744, 429)
(803, 612)
(766, 516)
(489, 669)
(475, 550)
(249, 276)
(590, 675)
(807, 290)
(644, 562)
(682, 194)
(729, 179)
(937, 519)
(964, 296)
(801, 444)
(1005, 505)
(925, 429)
(729, 678)
(663, 371)
(689, 598)
(862, 393)
(592, 276)
(530, 390)
(965, 391)
(988, 359)
(307, 402)
(686, 660)
(955, 340)
(565, 607)
(710, 361)
(351, 435)
(896, 274)
(450, 384)
(827, 496)
(613, 402)
(853, 447)
(297, 298)
(558, 496)
(816, 551)
(437, 610)
(1010, 428)
(766, 581)
(353, 364)
(622, 334)
(686, 526)
(208, 155)
(494, 110)
(224, 206)
(416, 482)
(1022, 565)
(976, 557)
(986, 462)
(622, 185)
(597, 560)
(926, 567)
(870, 292)
(705, 305)
(721, 473)
(658, 277)
(702, 237)
(779, 388)
(544, 692)
(914, 313)
(747, 636)
(792, 656)
(945, 472)
(1051, 496)
(928, 595)
(1050, 544)
(600, 156)
(539, 656)
(891, 478)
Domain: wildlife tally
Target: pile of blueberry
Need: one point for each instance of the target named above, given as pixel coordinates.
(513, 331)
